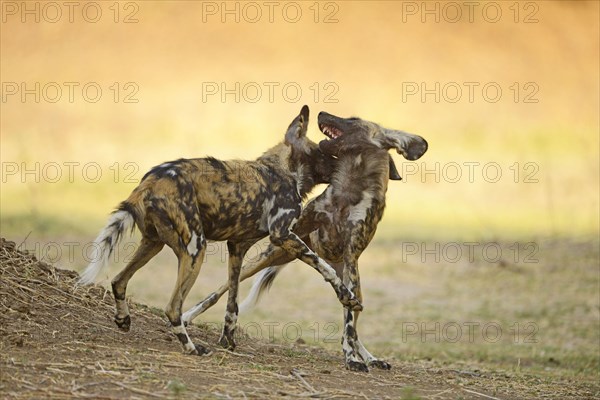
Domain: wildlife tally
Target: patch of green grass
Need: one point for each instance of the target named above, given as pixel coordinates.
(156, 311)
(146, 375)
(261, 367)
(408, 393)
(293, 353)
(176, 387)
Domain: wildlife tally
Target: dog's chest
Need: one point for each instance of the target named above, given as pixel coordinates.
(345, 220)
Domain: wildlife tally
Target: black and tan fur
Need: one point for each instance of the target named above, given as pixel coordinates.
(184, 203)
(340, 223)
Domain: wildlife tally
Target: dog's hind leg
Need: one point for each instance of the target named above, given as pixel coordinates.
(190, 261)
(143, 254)
(349, 339)
(367, 357)
(236, 256)
(349, 335)
(180, 227)
(351, 344)
(271, 256)
(360, 349)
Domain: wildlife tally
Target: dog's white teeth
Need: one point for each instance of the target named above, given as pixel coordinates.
(332, 133)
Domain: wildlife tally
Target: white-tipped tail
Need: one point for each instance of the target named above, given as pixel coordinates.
(119, 222)
(262, 282)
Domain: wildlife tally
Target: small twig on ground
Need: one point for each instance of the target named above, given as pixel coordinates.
(233, 353)
(302, 380)
(480, 394)
(138, 391)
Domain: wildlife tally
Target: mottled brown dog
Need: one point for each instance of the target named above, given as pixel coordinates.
(186, 202)
(340, 223)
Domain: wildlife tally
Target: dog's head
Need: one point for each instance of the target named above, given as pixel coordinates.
(351, 135)
(305, 159)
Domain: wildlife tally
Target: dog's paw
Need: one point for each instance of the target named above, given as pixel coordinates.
(200, 350)
(357, 366)
(348, 300)
(380, 364)
(355, 305)
(227, 342)
(123, 323)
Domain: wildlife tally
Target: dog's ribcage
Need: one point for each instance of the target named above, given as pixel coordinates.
(235, 200)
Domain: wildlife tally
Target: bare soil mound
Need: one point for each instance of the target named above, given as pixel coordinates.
(58, 341)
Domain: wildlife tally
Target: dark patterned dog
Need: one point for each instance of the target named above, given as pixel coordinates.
(184, 203)
(340, 223)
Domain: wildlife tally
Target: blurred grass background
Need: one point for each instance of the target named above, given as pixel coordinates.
(369, 54)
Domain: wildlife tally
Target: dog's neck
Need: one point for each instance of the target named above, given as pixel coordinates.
(356, 174)
(292, 163)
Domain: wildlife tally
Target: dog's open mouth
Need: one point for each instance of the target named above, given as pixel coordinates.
(330, 131)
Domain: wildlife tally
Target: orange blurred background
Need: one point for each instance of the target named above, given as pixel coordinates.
(370, 59)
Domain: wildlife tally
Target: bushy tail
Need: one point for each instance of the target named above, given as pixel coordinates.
(262, 283)
(119, 222)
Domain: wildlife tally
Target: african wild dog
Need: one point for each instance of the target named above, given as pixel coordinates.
(339, 224)
(186, 202)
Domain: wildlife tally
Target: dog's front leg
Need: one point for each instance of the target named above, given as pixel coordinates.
(236, 256)
(281, 235)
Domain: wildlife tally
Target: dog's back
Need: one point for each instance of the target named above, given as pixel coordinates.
(231, 197)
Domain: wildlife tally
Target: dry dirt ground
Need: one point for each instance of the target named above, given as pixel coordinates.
(60, 342)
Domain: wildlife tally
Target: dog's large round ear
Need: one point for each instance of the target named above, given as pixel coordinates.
(394, 175)
(412, 147)
(297, 129)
